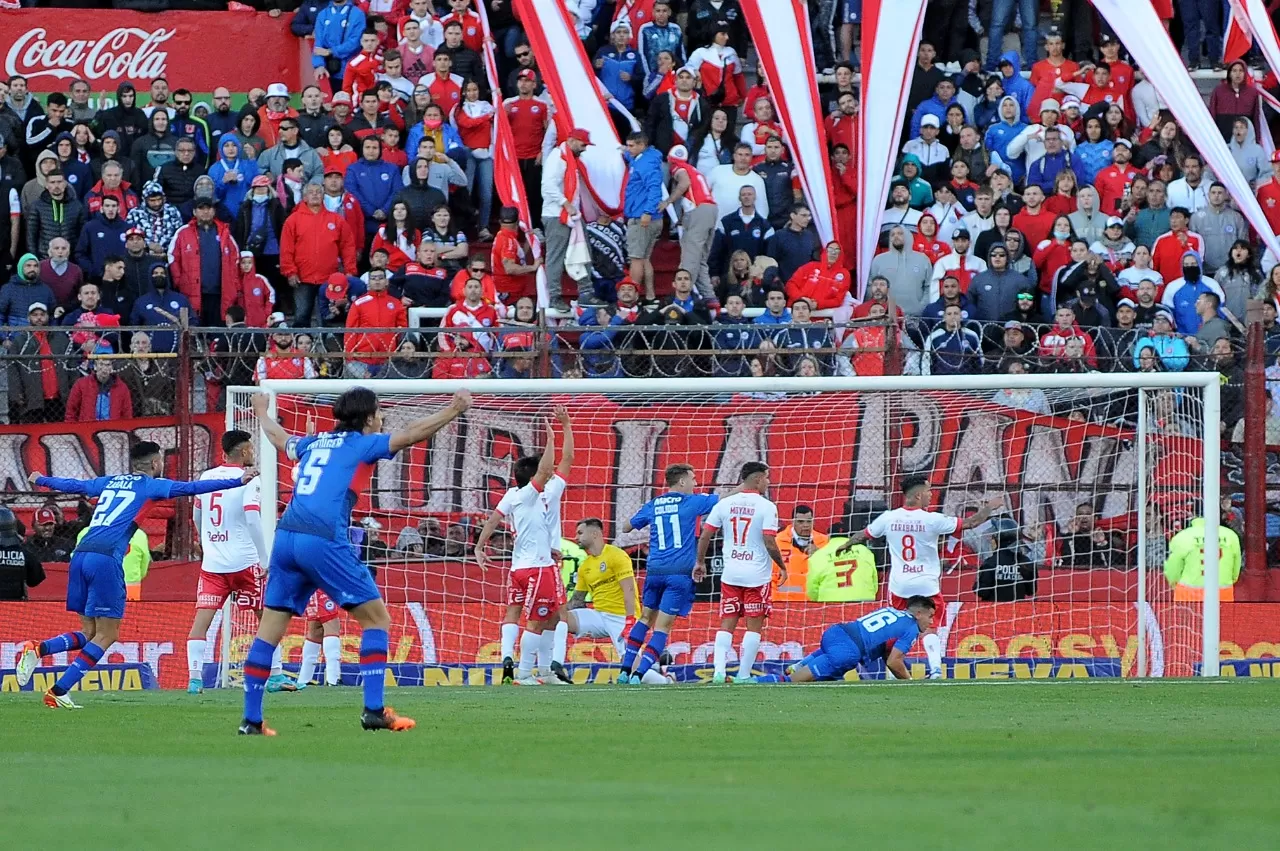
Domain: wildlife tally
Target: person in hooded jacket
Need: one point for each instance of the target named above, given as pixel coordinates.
(23, 290)
(421, 198)
(156, 218)
(375, 183)
(1000, 135)
(246, 133)
(55, 213)
(156, 148)
(259, 223)
(125, 119)
(994, 293)
(232, 174)
(1180, 295)
(75, 169)
(251, 292)
(161, 305)
(824, 282)
(101, 237)
(46, 162)
(1015, 85)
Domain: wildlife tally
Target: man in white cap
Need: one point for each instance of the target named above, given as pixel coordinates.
(699, 214)
(1031, 140)
(275, 110)
(674, 114)
(933, 155)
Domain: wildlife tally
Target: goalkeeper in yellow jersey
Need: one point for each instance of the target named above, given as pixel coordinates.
(606, 575)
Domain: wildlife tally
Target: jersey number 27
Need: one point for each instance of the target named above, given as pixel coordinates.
(111, 504)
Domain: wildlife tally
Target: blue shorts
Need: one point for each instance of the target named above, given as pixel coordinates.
(95, 586)
(853, 11)
(669, 593)
(301, 563)
(838, 655)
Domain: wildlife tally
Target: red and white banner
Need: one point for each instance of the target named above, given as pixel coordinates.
(785, 44)
(467, 633)
(890, 34)
(1140, 30)
(1238, 36)
(106, 48)
(579, 102)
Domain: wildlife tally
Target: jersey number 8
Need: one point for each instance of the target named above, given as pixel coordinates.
(311, 470)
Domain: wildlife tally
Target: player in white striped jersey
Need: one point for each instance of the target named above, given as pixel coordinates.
(912, 533)
(231, 566)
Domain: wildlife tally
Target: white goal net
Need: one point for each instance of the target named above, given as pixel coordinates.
(1095, 473)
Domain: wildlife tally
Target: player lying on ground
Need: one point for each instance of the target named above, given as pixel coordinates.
(323, 630)
(748, 546)
(912, 533)
(534, 588)
(672, 521)
(95, 581)
(231, 563)
(313, 548)
(887, 634)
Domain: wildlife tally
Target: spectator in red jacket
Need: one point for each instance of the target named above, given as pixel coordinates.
(824, 282)
(252, 292)
(111, 185)
(1053, 343)
(315, 243)
(469, 315)
(100, 396)
(203, 262)
(477, 270)
(1168, 249)
(367, 352)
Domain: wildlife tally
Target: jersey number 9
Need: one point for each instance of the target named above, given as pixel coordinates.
(311, 470)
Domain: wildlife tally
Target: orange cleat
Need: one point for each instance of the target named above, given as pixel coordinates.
(59, 701)
(387, 719)
(248, 728)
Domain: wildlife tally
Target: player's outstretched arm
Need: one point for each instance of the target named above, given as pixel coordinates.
(88, 487)
(207, 485)
(980, 516)
(273, 430)
(421, 430)
(897, 663)
(566, 451)
(482, 543)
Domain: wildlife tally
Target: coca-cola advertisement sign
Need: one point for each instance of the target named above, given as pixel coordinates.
(188, 48)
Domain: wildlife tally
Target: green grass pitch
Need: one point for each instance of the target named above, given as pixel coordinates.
(1127, 765)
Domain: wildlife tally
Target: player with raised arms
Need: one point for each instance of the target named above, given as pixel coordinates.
(750, 543)
(312, 548)
(95, 582)
(672, 521)
(231, 562)
(886, 633)
(912, 532)
(534, 589)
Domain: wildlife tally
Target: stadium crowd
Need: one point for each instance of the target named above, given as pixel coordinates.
(1055, 220)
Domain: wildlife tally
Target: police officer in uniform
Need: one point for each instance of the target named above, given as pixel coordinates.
(1008, 573)
(19, 569)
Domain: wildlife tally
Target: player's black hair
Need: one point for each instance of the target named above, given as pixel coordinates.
(354, 407)
(751, 468)
(143, 450)
(802, 509)
(676, 472)
(910, 483)
(234, 438)
(524, 470)
(593, 522)
(925, 602)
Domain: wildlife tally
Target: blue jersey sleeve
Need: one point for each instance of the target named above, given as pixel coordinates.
(704, 502)
(376, 447)
(907, 636)
(168, 488)
(295, 446)
(643, 517)
(88, 487)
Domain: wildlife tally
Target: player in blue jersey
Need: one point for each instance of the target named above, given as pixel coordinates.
(887, 634)
(672, 520)
(312, 549)
(95, 581)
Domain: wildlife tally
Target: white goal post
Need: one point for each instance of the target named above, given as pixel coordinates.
(883, 421)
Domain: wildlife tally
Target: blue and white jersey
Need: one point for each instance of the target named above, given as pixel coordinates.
(672, 520)
(884, 630)
(322, 495)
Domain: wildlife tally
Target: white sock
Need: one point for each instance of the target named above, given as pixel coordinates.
(195, 657)
(510, 632)
(332, 659)
(546, 651)
(750, 649)
(310, 656)
(933, 651)
(724, 643)
(653, 678)
(529, 642)
(560, 648)
(277, 667)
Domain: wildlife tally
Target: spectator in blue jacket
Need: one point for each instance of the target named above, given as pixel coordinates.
(304, 20)
(952, 349)
(1044, 171)
(1180, 296)
(944, 95)
(101, 237)
(232, 174)
(796, 244)
(1014, 83)
(776, 311)
(161, 305)
(642, 208)
(735, 332)
(998, 136)
(337, 33)
(618, 64)
(374, 183)
(658, 35)
(949, 294)
(1165, 343)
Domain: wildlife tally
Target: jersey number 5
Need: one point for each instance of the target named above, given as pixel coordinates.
(311, 470)
(110, 506)
(740, 526)
(215, 509)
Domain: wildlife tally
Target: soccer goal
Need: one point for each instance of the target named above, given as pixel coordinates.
(1096, 472)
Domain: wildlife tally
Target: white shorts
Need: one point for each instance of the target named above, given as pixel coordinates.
(593, 624)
